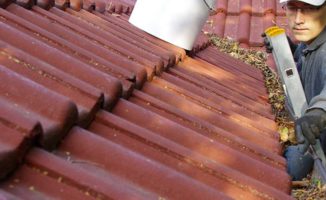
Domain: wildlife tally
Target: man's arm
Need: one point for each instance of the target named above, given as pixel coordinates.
(313, 122)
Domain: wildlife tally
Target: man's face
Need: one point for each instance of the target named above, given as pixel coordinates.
(306, 21)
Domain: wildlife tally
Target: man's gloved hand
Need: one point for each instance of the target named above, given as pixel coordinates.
(310, 125)
(267, 44)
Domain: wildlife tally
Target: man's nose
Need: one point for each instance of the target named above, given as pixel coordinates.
(299, 16)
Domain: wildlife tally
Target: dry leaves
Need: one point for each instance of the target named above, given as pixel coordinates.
(272, 83)
(314, 191)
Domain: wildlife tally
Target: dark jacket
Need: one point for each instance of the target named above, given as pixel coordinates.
(311, 63)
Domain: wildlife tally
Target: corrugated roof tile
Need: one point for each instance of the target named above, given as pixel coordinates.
(270, 6)
(117, 43)
(207, 129)
(202, 144)
(221, 6)
(59, 59)
(18, 132)
(61, 3)
(223, 61)
(245, 21)
(53, 36)
(223, 79)
(6, 195)
(233, 7)
(119, 22)
(74, 175)
(170, 180)
(211, 173)
(57, 114)
(215, 107)
(117, 6)
(244, 27)
(25, 3)
(101, 38)
(246, 6)
(223, 92)
(231, 26)
(201, 125)
(256, 29)
(216, 170)
(257, 7)
(222, 103)
(213, 116)
(123, 34)
(74, 4)
(33, 183)
(88, 99)
(46, 4)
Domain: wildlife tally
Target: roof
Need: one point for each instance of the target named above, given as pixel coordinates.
(245, 20)
(94, 108)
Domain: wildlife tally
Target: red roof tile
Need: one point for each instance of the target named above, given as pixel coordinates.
(88, 99)
(204, 127)
(227, 63)
(245, 21)
(56, 115)
(218, 175)
(18, 131)
(130, 116)
(71, 45)
(61, 60)
(122, 24)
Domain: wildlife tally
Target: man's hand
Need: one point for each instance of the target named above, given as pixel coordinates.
(309, 126)
(267, 44)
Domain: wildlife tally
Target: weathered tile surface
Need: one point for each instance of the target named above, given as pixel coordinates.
(128, 116)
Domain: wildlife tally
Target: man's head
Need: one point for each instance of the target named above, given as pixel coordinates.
(307, 18)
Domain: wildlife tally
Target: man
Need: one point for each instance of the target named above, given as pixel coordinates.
(307, 21)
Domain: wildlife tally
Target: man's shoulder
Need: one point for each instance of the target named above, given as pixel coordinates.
(323, 45)
(322, 49)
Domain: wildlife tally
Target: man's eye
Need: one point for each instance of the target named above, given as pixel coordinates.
(303, 8)
(292, 8)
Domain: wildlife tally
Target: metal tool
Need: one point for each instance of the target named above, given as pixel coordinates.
(290, 78)
(212, 11)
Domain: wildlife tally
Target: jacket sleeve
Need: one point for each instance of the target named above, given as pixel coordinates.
(319, 101)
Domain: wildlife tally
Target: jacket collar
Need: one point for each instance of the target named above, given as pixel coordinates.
(321, 39)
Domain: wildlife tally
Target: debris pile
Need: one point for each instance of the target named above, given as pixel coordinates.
(312, 190)
(276, 94)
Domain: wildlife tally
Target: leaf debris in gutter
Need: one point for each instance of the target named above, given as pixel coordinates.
(276, 94)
